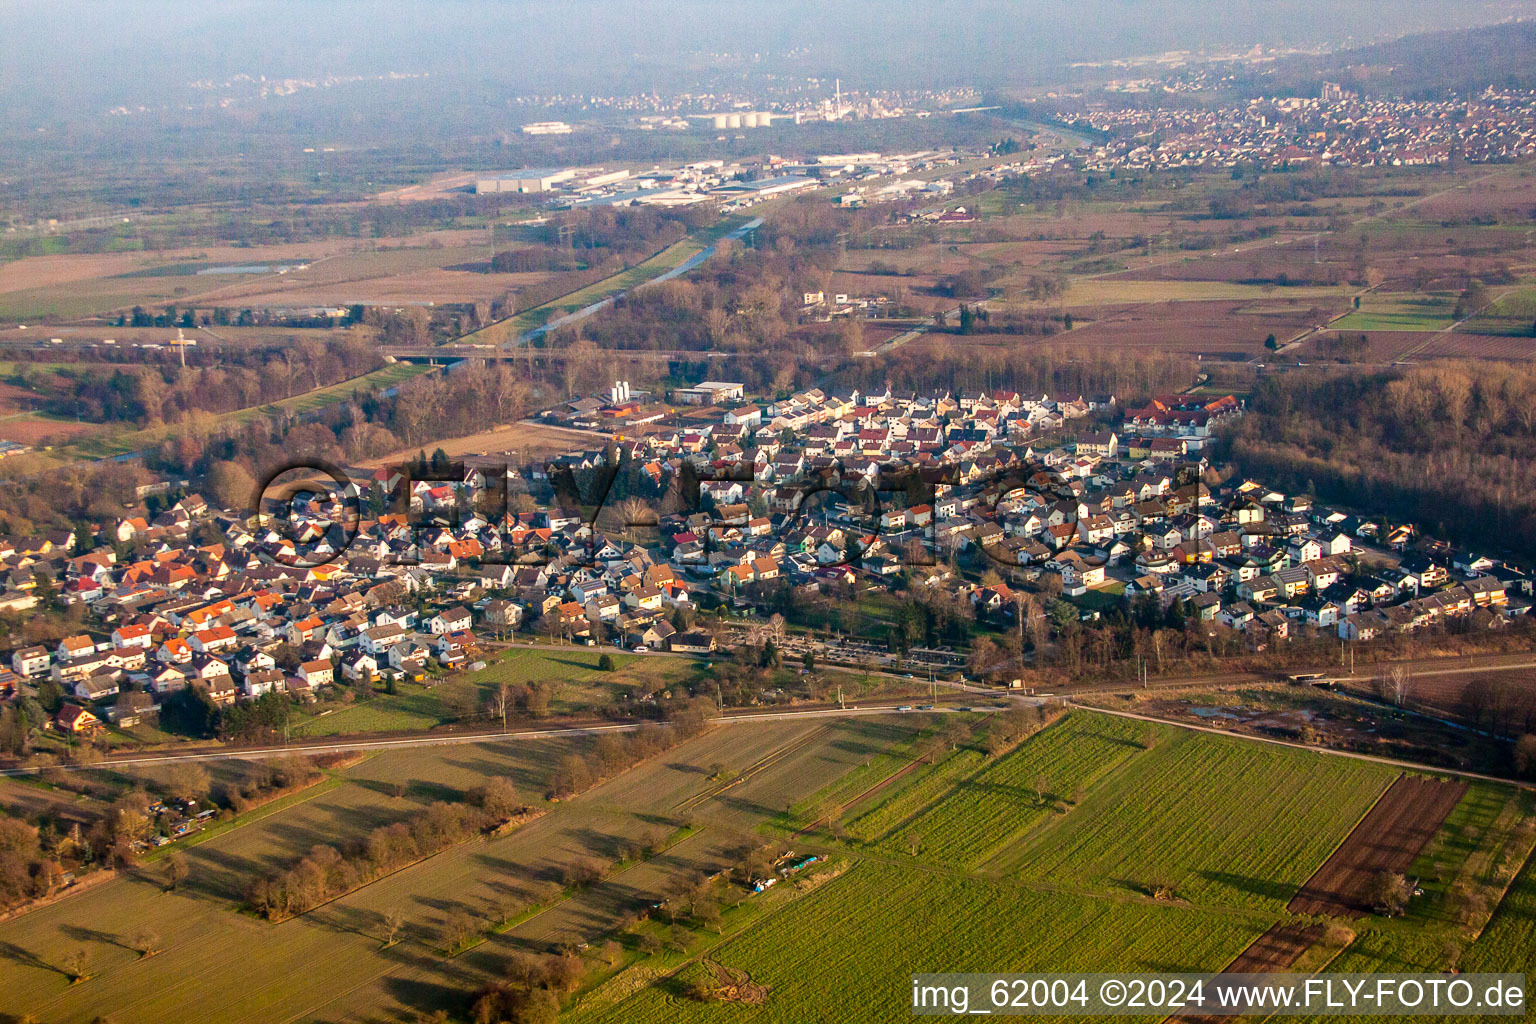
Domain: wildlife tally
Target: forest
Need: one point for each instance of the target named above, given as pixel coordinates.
(148, 394)
(1450, 446)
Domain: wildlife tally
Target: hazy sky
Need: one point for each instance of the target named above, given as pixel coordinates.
(74, 56)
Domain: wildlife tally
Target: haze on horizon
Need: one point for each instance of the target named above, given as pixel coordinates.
(71, 58)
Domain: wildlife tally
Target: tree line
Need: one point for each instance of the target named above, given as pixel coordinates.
(326, 872)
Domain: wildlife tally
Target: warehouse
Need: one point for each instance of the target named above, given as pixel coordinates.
(527, 180)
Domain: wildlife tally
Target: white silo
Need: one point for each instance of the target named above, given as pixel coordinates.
(733, 120)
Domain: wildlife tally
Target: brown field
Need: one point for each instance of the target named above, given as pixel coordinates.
(433, 188)
(32, 429)
(1275, 950)
(1388, 838)
(340, 271)
(1507, 195)
(75, 336)
(1506, 700)
(1222, 329)
(1383, 346)
(44, 271)
(514, 440)
(1460, 345)
(433, 285)
(917, 288)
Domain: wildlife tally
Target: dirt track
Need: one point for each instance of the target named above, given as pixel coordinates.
(1275, 950)
(1388, 838)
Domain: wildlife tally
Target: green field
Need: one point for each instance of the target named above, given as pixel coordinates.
(1398, 311)
(848, 951)
(1220, 820)
(971, 808)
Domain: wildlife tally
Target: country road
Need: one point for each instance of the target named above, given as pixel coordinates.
(960, 691)
(482, 736)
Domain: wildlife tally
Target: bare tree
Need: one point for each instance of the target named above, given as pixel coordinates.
(74, 964)
(144, 941)
(1388, 894)
(176, 870)
(501, 703)
(457, 929)
(393, 922)
(1395, 684)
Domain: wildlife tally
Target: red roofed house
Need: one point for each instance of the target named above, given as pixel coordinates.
(72, 718)
(214, 638)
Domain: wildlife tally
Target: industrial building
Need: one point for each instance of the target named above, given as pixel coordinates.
(763, 187)
(527, 180)
(709, 392)
(547, 128)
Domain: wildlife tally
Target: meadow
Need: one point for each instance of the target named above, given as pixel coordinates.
(1398, 311)
(578, 686)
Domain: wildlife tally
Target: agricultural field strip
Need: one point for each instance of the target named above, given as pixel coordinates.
(993, 808)
(564, 905)
(457, 967)
(761, 765)
(1412, 805)
(410, 878)
(945, 923)
(1508, 941)
(1231, 819)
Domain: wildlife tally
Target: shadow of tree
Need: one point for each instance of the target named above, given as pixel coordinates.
(27, 958)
